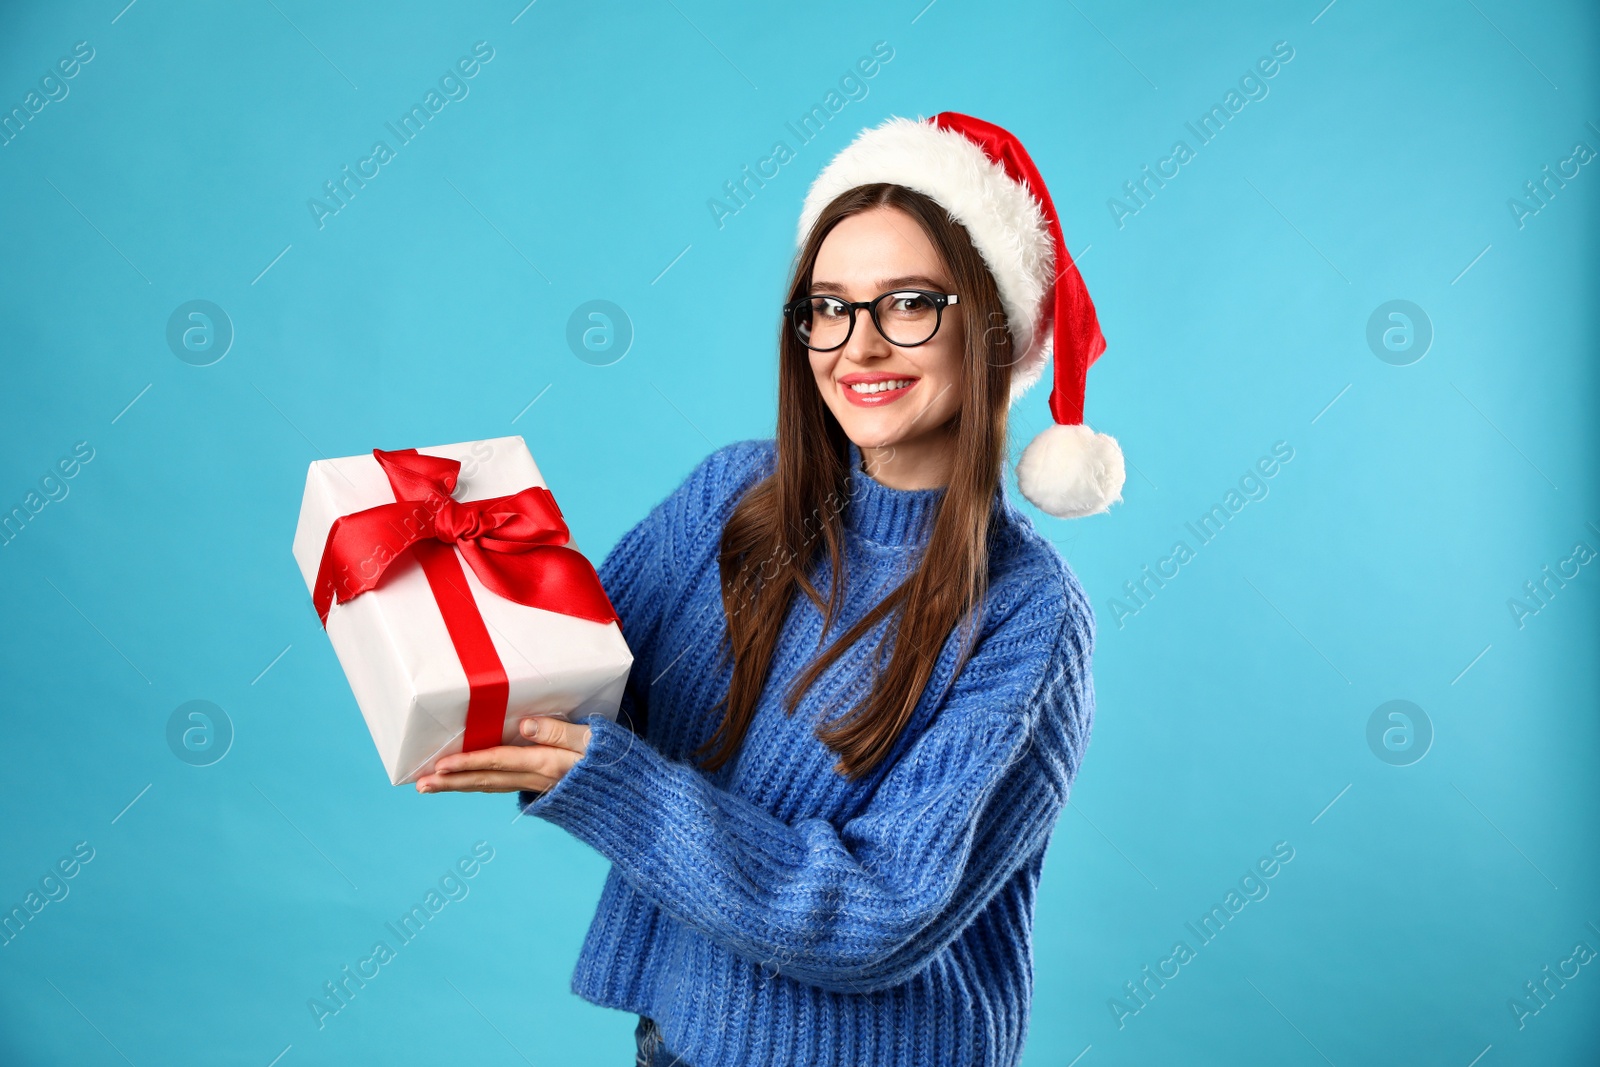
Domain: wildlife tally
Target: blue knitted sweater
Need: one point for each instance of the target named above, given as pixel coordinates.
(774, 912)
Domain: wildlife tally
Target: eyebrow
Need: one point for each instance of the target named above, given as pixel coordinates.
(884, 285)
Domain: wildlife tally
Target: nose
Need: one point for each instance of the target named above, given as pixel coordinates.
(866, 342)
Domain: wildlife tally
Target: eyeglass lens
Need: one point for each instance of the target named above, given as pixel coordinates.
(823, 322)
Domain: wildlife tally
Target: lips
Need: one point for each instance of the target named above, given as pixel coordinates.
(877, 389)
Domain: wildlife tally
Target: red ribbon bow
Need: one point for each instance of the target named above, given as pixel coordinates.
(516, 545)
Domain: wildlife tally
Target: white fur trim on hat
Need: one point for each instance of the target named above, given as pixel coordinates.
(1006, 223)
(1070, 471)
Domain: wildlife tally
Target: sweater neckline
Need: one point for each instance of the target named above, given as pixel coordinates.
(885, 515)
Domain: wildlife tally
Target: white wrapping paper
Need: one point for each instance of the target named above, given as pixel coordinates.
(392, 641)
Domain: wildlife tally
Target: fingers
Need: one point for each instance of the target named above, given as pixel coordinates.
(558, 733)
(558, 744)
(483, 782)
(519, 759)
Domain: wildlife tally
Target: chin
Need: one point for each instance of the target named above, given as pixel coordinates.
(870, 435)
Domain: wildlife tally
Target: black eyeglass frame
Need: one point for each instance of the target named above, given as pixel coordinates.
(940, 302)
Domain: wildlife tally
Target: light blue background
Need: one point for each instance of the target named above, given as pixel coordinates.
(1232, 709)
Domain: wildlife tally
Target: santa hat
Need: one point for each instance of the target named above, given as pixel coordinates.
(983, 177)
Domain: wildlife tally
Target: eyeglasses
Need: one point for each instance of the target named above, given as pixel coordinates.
(905, 317)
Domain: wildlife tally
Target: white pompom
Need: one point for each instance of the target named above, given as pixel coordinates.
(1071, 471)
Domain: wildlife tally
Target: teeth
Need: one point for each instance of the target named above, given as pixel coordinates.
(879, 387)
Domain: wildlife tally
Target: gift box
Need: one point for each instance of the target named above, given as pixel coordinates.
(454, 597)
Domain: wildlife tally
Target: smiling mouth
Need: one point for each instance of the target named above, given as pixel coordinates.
(876, 393)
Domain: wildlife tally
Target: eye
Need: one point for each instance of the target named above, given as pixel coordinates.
(827, 307)
(909, 303)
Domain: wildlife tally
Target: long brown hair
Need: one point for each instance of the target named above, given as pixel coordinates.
(775, 532)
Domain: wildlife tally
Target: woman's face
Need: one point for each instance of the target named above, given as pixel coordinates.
(890, 400)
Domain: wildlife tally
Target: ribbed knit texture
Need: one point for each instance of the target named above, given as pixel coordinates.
(773, 912)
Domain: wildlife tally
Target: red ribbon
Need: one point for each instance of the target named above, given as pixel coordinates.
(516, 545)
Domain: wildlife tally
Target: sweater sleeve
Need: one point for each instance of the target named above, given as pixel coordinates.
(868, 904)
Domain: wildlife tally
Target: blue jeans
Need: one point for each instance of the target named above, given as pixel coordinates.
(652, 1053)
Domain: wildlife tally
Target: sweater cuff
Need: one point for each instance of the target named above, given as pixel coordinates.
(603, 795)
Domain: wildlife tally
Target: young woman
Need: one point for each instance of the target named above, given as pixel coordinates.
(861, 688)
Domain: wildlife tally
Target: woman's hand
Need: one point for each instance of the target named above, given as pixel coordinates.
(558, 744)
